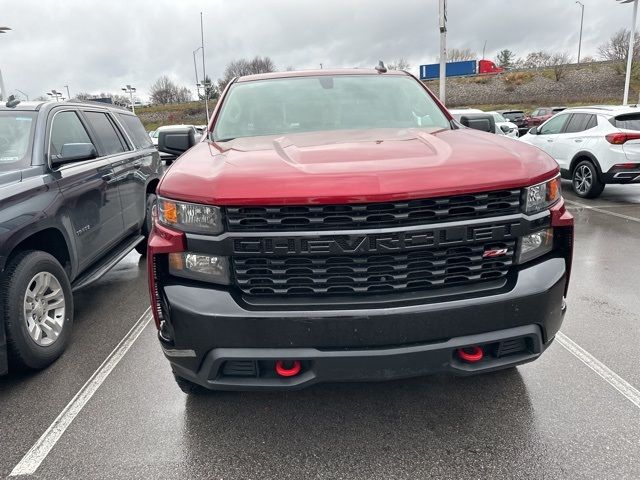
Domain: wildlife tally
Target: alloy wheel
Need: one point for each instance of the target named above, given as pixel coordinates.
(583, 179)
(44, 308)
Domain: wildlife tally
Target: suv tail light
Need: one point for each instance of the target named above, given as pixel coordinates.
(620, 138)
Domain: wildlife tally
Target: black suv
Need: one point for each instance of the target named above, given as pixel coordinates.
(77, 184)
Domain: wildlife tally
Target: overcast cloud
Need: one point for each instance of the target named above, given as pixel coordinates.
(101, 46)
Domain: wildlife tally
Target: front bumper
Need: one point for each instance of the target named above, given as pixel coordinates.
(206, 328)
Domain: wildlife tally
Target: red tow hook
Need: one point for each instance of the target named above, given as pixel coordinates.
(471, 354)
(289, 368)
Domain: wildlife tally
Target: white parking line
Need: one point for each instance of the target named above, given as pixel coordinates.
(607, 212)
(39, 451)
(617, 382)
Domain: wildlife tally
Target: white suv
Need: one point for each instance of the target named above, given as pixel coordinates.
(593, 146)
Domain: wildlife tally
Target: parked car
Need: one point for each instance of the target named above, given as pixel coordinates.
(517, 117)
(338, 225)
(77, 184)
(593, 146)
(499, 125)
(504, 126)
(541, 115)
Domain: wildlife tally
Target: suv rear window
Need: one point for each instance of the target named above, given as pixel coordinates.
(333, 102)
(627, 122)
(16, 132)
(136, 131)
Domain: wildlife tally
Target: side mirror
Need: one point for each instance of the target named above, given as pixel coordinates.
(176, 142)
(74, 152)
(505, 128)
(479, 121)
(534, 131)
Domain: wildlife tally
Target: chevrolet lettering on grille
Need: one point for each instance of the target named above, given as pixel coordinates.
(376, 243)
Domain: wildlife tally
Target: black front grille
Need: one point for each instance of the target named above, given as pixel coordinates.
(378, 273)
(372, 215)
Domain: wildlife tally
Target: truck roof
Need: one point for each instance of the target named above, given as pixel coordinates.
(315, 73)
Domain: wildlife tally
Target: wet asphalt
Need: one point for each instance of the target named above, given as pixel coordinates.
(554, 418)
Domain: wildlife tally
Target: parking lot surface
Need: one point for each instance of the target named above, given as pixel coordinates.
(575, 413)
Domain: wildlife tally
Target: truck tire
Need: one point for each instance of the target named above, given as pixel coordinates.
(37, 304)
(585, 180)
(188, 387)
(141, 248)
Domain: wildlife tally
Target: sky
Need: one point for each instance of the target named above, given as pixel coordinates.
(94, 46)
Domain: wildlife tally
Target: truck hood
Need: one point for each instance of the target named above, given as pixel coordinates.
(352, 167)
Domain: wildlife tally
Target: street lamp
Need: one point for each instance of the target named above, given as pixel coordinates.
(129, 89)
(632, 35)
(53, 93)
(68, 94)
(581, 22)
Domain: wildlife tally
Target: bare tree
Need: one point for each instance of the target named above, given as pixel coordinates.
(559, 63)
(163, 90)
(116, 99)
(460, 54)
(539, 59)
(617, 47)
(400, 64)
(243, 66)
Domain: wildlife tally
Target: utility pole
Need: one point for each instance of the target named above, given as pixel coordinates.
(68, 94)
(2, 89)
(581, 22)
(129, 89)
(204, 71)
(484, 49)
(443, 49)
(632, 36)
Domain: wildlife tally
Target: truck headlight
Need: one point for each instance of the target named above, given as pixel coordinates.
(190, 217)
(535, 245)
(198, 266)
(542, 196)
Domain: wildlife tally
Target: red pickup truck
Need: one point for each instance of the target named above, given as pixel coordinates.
(342, 226)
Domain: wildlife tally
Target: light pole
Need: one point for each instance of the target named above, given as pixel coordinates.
(68, 94)
(129, 89)
(53, 93)
(581, 22)
(2, 90)
(443, 49)
(204, 71)
(632, 36)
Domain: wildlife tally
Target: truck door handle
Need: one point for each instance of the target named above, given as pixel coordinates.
(549, 140)
(578, 140)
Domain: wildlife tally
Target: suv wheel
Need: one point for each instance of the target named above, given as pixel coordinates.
(37, 304)
(188, 387)
(585, 180)
(141, 248)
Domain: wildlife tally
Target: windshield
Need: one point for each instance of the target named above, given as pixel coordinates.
(514, 115)
(341, 102)
(627, 122)
(499, 117)
(16, 130)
